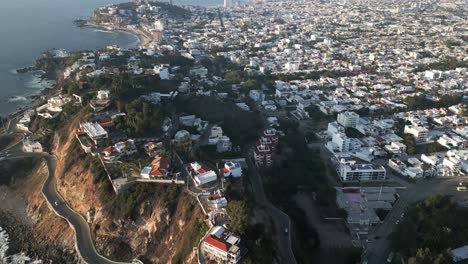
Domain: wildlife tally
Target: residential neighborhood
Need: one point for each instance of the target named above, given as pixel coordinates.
(268, 131)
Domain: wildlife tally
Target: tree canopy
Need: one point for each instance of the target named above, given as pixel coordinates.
(239, 213)
(430, 230)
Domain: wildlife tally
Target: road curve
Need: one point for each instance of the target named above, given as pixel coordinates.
(84, 242)
(280, 220)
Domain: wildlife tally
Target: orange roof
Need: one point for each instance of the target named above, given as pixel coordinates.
(160, 166)
(109, 149)
(225, 170)
(107, 123)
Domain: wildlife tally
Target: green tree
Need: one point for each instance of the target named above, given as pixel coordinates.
(410, 143)
(239, 214)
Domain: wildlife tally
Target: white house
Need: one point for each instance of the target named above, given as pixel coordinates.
(31, 146)
(419, 133)
(233, 169)
(222, 245)
(201, 174)
(103, 95)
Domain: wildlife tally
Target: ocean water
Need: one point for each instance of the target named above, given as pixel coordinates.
(29, 27)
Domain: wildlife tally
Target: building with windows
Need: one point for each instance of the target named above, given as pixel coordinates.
(348, 119)
(265, 148)
(361, 172)
(342, 142)
(222, 246)
(263, 155)
(419, 133)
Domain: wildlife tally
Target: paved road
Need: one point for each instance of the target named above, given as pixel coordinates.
(280, 220)
(84, 242)
(378, 250)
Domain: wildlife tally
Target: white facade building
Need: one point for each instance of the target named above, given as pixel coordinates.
(348, 119)
(419, 133)
(342, 141)
(233, 169)
(222, 245)
(361, 172)
(31, 146)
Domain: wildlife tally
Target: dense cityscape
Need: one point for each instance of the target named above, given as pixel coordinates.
(259, 132)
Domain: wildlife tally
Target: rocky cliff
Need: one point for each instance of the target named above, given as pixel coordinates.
(24, 214)
(151, 222)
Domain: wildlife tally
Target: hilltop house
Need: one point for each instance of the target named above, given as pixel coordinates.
(222, 245)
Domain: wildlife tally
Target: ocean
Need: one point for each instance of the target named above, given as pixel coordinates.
(29, 27)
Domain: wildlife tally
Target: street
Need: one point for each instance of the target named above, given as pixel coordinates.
(378, 249)
(281, 221)
(84, 242)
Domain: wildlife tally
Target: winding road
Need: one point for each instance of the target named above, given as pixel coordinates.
(84, 242)
(280, 220)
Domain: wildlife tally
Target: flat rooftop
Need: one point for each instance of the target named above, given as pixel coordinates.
(94, 129)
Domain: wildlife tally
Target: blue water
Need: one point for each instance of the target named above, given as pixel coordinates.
(29, 27)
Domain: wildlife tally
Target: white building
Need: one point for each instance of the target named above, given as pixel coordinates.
(361, 172)
(291, 66)
(460, 254)
(31, 146)
(103, 95)
(396, 147)
(95, 131)
(348, 119)
(204, 178)
(222, 245)
(431, 160)
(202, 174)
(419, 133)
(163, 72)
(342, 142)
(233, 169)
(334, 128)
(219, 203)
(224, 144)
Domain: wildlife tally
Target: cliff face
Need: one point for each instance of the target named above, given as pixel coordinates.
(160, 218)
(33, 227)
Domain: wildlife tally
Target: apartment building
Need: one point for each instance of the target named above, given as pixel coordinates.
(263, 155)
(361, 172)
(348, 119)
(419, 133)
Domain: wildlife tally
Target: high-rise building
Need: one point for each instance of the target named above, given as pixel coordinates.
(265, 148)
(227, 3)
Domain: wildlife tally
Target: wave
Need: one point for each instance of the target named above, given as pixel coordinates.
(37, 82)
(16, 258)
(17, 99)
(103, 30)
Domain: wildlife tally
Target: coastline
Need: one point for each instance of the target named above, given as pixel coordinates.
(43, 93)
(143, 37)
